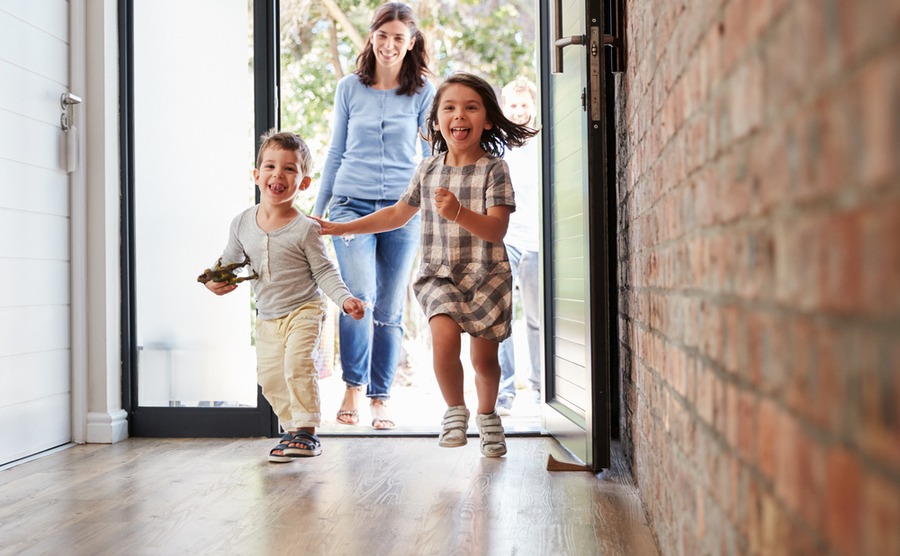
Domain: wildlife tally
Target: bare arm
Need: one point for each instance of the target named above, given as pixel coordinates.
(489, 227)
(388, 218)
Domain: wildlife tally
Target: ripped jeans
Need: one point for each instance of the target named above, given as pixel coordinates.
(376, 268)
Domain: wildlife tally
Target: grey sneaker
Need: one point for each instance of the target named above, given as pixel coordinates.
(493, 439)
(455, 423)
(504, 406)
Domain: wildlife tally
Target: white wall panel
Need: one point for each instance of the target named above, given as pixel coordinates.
(30, 94)
(30, 377)
(49, 16)
(28, 46)
(33, 142)
(33, 189)
(28, 235)
(35, 230)
(31, 282)
(25, 330)
(34, 426)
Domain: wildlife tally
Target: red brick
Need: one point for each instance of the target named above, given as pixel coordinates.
(811, 477)
(712, 331)
(770, 168)
(705, 394)
(797, 248)
(828, 382)
(732, 414)
(735, 32)
(787, 445)
(880, 516)
(736, 491)
(840, 263)
(799, 395)
(843, 500)
(773, 527)
(746, 98)
(879, 382)
(749, 429)
(768, 352)
(826, 148)
(881, 258)
(862, 24)
(877, 89)
(735, 334)
(759, 17)
(750, 516)
(770, 417)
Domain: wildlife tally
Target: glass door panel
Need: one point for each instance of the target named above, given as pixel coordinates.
(194, 143)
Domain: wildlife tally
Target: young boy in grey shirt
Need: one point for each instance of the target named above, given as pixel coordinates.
(291, 268)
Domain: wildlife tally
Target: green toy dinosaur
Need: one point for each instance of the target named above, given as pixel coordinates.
(226, 273)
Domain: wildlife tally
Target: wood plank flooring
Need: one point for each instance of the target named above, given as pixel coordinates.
(362, 496)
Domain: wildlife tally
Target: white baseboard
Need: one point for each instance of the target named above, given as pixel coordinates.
(107, 428)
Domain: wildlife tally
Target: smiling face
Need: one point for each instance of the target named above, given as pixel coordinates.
(390, 43)
(279, 176)
(519, 107)
(461, 118)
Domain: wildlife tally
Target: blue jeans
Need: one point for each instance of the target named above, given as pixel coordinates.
(526, 270)
(376, 268)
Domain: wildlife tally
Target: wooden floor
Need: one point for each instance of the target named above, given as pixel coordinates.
(362, 496)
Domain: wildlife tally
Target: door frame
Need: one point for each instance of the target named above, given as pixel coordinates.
(602, 344)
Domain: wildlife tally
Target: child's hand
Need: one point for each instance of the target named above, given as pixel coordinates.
(355, 308)
(328, 228)
(220, 288)
(447, 204)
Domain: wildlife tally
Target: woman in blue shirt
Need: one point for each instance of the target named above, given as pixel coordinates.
(378, 111)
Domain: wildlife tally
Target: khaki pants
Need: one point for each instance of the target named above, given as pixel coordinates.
(285, 351)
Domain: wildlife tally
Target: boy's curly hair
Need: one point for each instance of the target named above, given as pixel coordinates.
(287, 141)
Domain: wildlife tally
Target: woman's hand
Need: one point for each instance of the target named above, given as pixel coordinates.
(447, 205)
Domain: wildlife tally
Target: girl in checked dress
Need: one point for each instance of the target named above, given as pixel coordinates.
(464, 282)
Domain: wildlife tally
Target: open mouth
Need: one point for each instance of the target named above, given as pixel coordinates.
(277, 188)
(459, 133)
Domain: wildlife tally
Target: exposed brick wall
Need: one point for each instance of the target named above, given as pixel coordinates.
(759, 222)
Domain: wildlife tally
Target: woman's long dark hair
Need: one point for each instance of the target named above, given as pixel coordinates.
(503, 132)
(415, 63)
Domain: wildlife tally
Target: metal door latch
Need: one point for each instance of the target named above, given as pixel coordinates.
(67, 118)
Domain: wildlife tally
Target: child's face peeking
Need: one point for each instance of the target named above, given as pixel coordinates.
(461, 119)
(279, 176)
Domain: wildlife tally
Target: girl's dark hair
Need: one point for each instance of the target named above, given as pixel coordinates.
(503, 132)
(415, 63)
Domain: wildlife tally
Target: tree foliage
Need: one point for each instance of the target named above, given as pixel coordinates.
(494, 39)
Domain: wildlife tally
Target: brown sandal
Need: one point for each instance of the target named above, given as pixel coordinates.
(347, 417)
(380, 420)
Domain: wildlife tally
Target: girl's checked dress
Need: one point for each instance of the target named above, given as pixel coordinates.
(460, 274)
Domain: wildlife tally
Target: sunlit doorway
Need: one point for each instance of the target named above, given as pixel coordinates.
(319, 43)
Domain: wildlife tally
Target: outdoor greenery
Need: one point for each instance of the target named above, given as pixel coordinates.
(320, 40)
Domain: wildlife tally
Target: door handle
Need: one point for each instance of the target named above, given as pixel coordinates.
(569, 41)
(559, 45)
(66, 101)
(560, 42)
(67, 122)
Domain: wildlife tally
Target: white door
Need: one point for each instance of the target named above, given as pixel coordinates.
(35, 229)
